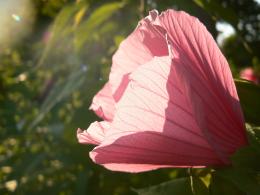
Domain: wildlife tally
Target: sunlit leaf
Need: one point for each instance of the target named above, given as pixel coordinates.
(97, 17)
(79, 15)
(59, 28)
(199, 187)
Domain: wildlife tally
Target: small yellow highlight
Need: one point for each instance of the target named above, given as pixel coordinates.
(11, 185)
(12, 141)
(22, 77)
(24, 180)
(206, 179)
(6, 169)
(79, 15)
(56, 164)
(40, 178)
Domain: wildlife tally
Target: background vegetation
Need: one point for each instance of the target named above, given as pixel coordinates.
(56, 56)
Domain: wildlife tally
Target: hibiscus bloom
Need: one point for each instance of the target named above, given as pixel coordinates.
(170, 100)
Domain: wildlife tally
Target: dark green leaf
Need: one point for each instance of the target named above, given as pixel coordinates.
(249, 95)
(244, 180)
(220, 186)
(199, 188)
(181, 186)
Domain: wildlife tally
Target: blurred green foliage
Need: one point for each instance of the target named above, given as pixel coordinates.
(48, 78)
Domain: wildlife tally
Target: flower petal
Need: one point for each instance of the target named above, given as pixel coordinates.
(94, 134)
(103, 103)
(208, 81)
(154, 124)
(146, 151)
(180, 110)
(138, 48)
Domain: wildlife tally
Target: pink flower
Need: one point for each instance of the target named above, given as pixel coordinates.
(248, 74)
(170, 100)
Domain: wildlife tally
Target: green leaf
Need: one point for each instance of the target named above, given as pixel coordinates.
(59, 29)
(244, 180)
(98, 17)
(244, 174)
(181, 186)
(220, 186)
(253, 134)
(246, 158)
(249, 95)
(177, 186)
(199, 188)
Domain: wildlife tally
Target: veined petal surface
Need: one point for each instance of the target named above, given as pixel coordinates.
(172, 97)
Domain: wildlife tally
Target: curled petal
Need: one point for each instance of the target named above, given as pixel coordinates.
(103, 103)
(138, 48)
(94, 134)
